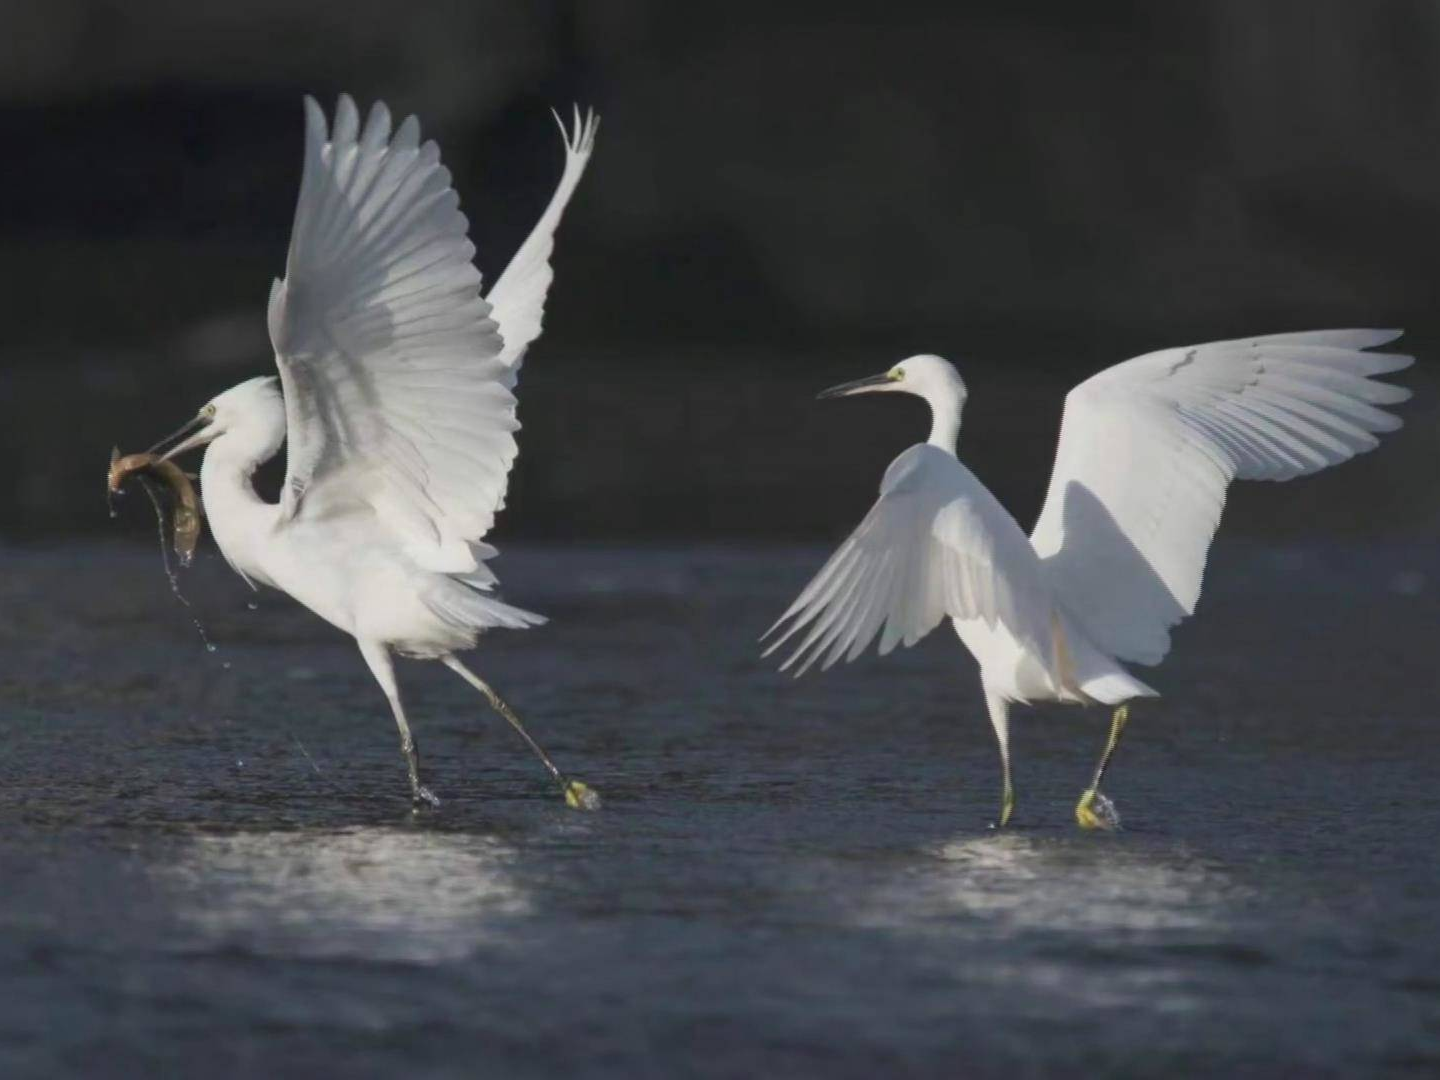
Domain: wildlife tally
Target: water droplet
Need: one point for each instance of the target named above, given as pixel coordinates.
(226, 665)
(170, 573)
(1105, 810)
(253, 605)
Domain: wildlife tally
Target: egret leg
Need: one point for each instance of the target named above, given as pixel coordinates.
(999, 711)
(381, 666)
(1087, 813)
(577, 795)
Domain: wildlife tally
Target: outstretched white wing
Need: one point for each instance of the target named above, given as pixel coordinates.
(1148, 448)
(397, 380)
(518, 295)
(935, 544)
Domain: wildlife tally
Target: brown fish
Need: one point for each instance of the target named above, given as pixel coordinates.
(185, 511)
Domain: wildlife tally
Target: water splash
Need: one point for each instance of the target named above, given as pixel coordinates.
(1104, 809)
(152, 491)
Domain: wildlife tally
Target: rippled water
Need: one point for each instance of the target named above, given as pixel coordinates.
(210, 864)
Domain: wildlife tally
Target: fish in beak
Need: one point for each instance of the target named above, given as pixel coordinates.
(884, 381)
(185, 511)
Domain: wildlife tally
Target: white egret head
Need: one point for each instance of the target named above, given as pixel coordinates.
(928, 376)
(254, 405)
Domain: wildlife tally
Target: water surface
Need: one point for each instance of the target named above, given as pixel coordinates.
(210, 862)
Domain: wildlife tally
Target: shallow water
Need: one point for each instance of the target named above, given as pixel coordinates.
(210, 861)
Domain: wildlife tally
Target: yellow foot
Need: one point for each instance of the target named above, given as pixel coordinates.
(1007, 807)
(1095, 811)
(580, 796)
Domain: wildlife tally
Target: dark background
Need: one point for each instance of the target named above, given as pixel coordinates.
(783, 197)
(208, 859)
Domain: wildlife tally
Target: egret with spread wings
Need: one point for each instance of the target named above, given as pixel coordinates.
(1147, 450)
(395, 403)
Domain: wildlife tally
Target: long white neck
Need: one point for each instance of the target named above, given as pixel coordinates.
(239, 519)
(945, 401)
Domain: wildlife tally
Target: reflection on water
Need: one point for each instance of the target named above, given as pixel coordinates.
(391, 893)
(1086, 886)
(1015, 882)
(1055, 922)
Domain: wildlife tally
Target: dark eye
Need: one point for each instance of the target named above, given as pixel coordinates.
(208, 412)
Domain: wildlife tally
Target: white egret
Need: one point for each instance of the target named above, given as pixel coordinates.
(395, 405)
(1147, 450)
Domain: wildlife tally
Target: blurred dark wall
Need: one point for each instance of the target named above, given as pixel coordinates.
(778, 202)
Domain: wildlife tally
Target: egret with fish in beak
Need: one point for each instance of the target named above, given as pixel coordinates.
(395, 403)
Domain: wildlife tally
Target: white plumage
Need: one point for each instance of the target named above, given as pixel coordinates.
(397, 374)
(1149, 447)
(929, 548)
(1147, 450)
(398, 408)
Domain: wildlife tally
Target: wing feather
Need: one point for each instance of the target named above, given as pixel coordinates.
(935, 544)
(1148, 449)
(397, 379)
(518, 295)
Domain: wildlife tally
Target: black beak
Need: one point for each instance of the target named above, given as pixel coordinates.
(184, 430)
(859, 386)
